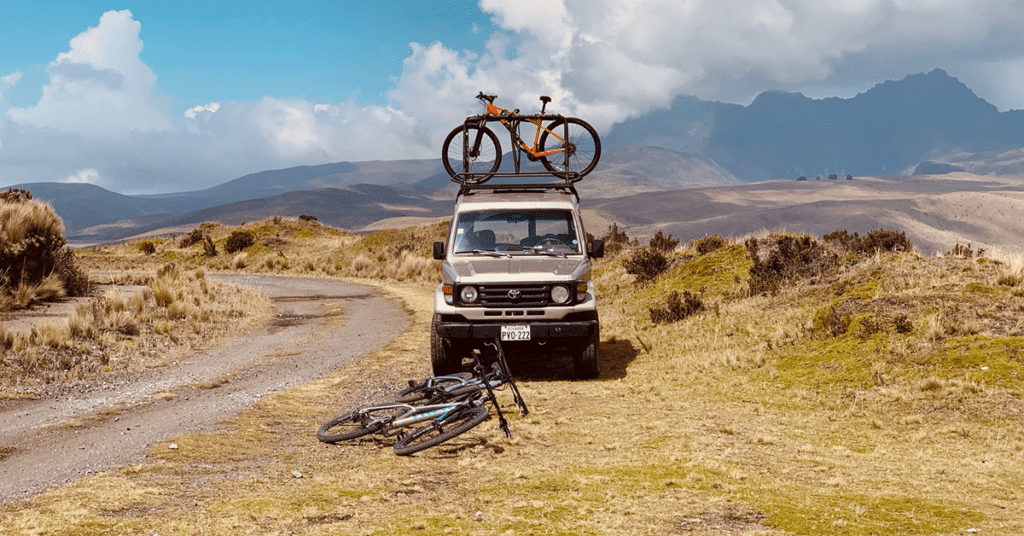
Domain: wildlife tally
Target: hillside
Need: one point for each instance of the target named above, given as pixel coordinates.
(347, 208)
(936, 212)
(866, 392)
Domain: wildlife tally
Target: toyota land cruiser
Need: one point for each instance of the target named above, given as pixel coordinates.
(516, 267)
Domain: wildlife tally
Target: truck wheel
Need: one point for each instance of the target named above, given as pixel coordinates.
(585, 360)
(444, 359)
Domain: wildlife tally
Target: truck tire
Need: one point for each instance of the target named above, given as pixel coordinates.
(585, 360)
(443, 357)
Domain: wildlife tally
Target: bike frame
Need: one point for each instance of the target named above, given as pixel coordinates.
(412, 415)
(510, 120)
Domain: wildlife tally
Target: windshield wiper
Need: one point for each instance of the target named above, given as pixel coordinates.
(541, 250)
(489, 252)
(550, 253)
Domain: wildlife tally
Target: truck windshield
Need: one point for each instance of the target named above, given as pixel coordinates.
(517, 231)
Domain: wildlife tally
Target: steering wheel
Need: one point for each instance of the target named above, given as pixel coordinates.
(550, 240)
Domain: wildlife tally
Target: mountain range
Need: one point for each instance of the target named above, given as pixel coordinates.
(929, 123)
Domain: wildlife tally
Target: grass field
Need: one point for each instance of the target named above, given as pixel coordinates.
(882, 397)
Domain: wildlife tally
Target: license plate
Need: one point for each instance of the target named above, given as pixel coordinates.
(515, 333)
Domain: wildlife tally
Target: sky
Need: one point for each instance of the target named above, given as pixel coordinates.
(154, 97)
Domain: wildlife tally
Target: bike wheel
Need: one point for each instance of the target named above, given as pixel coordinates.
(480, 164)
(583, 146)
(426, 388)
(458, 422)
(343, 428)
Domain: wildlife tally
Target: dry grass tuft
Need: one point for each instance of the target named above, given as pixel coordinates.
(34, 264)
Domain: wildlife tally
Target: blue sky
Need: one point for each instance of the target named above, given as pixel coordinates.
(204, 51)
(149, 97)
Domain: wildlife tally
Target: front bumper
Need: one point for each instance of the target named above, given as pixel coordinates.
(582, 326)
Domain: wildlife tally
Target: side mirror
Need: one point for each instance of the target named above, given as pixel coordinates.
(439, 251)
(597, 249)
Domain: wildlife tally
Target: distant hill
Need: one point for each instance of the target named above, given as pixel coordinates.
(886, 130)
(351, 207)
(935, 212)
(85, 205)
(401, 188)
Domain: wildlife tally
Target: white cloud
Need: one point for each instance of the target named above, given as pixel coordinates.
(100, 87)
(83, 176)
(9, 80)
(191, 113)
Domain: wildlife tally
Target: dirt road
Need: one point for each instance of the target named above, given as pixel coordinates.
(301, 343)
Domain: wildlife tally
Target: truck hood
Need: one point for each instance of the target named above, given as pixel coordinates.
(519, 267)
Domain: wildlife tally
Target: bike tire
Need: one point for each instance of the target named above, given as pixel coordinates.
(483, 166)
(422, 392)
(584, 146)
(456, 423)
(342, 428)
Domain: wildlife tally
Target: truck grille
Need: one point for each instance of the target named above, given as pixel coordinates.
(514, 295)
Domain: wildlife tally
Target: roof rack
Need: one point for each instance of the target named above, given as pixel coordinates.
(466, 189)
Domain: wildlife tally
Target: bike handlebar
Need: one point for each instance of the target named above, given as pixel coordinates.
(488, 98)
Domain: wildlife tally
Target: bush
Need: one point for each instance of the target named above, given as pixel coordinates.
(676, 307)
(878, 240)
(960, 250)
(646, 264)
(75, 280)
(148, 247)
(660, 242)
(193, 237)
(781, 259)
(615, 241)
(32, 245)
(708, 244)
(239, 240)
(307, 217)
(209, 248)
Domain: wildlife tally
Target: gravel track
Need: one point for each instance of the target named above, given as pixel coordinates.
(298, 345)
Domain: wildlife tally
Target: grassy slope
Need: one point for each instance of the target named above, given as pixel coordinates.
(749, 417)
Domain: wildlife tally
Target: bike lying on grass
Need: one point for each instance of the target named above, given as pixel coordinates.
(450, 405)
(567, 147)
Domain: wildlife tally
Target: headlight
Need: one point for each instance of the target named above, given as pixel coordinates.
(581, 290)
(468, 294)
(559, 294)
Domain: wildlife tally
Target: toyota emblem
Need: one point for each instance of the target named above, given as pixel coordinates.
(514, 294)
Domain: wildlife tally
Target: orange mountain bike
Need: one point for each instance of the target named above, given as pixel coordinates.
(568, 147)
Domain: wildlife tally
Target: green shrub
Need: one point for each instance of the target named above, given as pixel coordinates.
(148, 247)
(646, 264)
(615, 240)
(677, 307)
(660, 242)
(878, 240)
(708, 244)
(960, 250)
(239, 240)
(781, 259)
(193, 237)
(209, 248)
(307, 217)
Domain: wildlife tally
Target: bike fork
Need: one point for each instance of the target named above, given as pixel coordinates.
(472, 151)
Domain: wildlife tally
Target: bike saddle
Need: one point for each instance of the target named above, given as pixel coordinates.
(545, 99)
